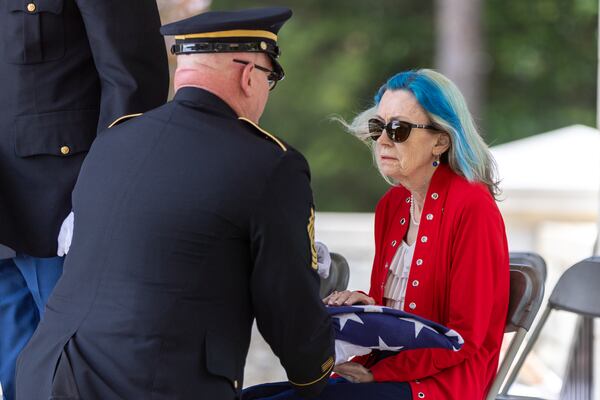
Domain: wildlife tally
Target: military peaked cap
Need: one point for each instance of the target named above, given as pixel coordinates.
(252, 30)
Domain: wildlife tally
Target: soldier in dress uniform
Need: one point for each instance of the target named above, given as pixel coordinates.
(190, 221)
(68, 68)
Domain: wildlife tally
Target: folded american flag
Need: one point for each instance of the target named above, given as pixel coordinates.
(359, 329)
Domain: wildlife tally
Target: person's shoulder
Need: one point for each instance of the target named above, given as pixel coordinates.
(135, 118)
(266, 137)
(471, 198)
(271, 147)
(471, 192)
(123, 119)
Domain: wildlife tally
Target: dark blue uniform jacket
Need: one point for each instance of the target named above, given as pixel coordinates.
(189, 222)
(68, 68)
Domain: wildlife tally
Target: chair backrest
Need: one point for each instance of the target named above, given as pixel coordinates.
(577, 289)
(526, 295)
(339, 275)
(529, 258)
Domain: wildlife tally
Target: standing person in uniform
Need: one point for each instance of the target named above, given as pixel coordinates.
(68, 69)
(191, 220)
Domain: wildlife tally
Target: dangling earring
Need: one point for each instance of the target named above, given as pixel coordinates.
(436, 162)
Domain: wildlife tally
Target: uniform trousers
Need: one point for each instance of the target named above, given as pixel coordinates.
(25, 285)
(336, 389)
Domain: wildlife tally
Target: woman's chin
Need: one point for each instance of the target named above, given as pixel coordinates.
(388, 170)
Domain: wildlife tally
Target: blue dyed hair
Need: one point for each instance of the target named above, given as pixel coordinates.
(468, 154)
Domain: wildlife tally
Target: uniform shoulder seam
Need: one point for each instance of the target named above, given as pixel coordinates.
(264, 132)
(124, 118)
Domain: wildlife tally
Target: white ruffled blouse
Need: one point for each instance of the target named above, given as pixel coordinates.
(394, 291)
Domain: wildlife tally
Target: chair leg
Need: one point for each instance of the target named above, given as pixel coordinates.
(579, 375)
(526, 350)
(509, 357)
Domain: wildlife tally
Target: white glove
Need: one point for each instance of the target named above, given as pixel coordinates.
(65, 235)
(323, 260)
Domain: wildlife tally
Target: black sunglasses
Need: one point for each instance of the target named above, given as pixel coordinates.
(398, 131)
(272, 76)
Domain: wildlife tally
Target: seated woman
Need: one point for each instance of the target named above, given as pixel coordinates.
(441, 249)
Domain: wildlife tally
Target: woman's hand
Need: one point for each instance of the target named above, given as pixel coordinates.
(347, 298)
(354, 372)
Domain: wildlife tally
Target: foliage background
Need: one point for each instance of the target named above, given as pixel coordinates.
(539, 74)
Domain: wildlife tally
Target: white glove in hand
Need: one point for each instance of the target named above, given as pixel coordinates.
(323, 260)
(65, 235)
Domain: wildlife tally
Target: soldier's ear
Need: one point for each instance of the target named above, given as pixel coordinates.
(246, 80)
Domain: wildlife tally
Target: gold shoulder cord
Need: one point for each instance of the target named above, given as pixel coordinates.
(273, 138)
(124, 118)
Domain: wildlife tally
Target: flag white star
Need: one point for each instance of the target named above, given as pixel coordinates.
(378, 309)
(453, 333)
(418, 326)
(383, 346)
(348, 317)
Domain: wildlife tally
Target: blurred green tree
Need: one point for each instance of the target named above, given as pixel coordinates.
(539, 74)
(542, 72)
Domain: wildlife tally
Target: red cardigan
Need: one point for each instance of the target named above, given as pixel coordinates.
(459, 277)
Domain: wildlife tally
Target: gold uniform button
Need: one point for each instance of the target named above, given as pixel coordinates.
(235, 384)
(31, 7)
(65, 150)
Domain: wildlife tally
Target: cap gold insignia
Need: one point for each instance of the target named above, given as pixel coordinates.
(263, 46)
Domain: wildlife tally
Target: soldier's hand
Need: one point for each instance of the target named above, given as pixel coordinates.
(323, 260)
(354, 372)
(65, 235)
(347, 298)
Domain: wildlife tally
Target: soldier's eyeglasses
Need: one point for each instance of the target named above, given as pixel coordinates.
(398, 131)
(272, 76)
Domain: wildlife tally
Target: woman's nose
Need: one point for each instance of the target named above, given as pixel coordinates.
(384, 139)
